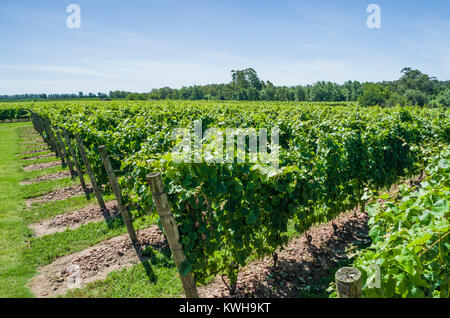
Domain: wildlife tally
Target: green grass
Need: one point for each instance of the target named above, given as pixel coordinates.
(35, 154)
(154, 278)
(321, 288)
(21, 254)
(42, 188)
(39, 173)
(44, 250)
(14, 272)
(33, 145)
(37, 161)
(54, 208)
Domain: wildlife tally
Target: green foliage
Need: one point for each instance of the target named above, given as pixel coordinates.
(442, 99)
(416, 81)
(411, 240)
(416, 97)
(229, 213)
(374, 95)
(396, 99)
(13, 111)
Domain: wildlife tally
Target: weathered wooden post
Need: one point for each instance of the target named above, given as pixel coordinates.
(66, 155)
(37, 124)
(75, 160)
(40, 125)
(91, 174)
(60, 146)
(118, 193)
(348, 283)
(47, 138)
(34, 121)
(55, 143)
(171, 230)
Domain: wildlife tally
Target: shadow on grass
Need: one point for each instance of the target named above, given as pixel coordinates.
(149, 256)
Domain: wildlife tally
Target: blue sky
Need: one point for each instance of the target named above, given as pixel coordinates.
(138, 45)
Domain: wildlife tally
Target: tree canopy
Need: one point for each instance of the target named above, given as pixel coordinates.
(412, 88)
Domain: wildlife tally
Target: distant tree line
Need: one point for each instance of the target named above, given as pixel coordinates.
(246, 85)
(413, 88)
(38, 97)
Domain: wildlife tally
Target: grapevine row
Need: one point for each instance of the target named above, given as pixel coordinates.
(330, 158)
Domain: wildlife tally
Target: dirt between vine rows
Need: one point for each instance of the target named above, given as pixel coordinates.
(41, 166)
(299, 264)
(75, 219)
(32, 145)
(59, 195)
(94, 263)
(29, 134)
(37, 141)
(31, 137)
(52, 154)
(47, 177)
(37, 148)
(35, 151)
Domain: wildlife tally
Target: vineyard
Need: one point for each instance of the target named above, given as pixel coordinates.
(12, 112)
(332, 159)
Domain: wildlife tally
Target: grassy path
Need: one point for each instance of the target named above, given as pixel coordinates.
(14, 272)
(21, 254)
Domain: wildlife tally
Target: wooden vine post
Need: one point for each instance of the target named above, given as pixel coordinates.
(55, 143)
(75, 160)
(64, 150)
(171, 230)
(348, 283)
(91, 174)
(118, 193)
(47, 137)
(38, 124)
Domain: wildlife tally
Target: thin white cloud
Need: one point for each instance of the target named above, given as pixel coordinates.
(71, 70)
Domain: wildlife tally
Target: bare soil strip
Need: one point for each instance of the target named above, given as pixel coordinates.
(302, 263)
(47, 177)
(32, 142)
(29, 134)
(34, 150)
(40, 156)
(58, 195)
(30, 137)
(35, 146)
(41, 166)
(75, 219)
(94, 263)
(299, 264)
